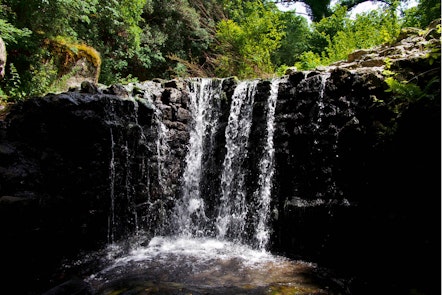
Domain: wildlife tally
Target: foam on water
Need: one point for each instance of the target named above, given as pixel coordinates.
(202, 248)
(208, 263)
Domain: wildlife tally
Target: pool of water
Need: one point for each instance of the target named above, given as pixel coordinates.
(177, 265)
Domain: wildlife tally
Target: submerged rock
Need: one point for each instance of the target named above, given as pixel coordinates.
(71, 287)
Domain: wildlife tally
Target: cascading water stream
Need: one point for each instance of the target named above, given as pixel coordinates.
(190, 210)
(162, 148)
(266, 169)
(320, 102)
(234, 207)
(111, 218)
(231, 219)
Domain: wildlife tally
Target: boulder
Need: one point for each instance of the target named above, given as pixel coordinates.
(2, 58)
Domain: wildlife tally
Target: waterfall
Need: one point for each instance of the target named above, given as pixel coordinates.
(235, 211)
(138, 171)
(190, 213)
(206, 210)
(162, 148)
(266, 165)
(111, 217)
(217, 198)
(231, 219)
(320, 102)
(222, 165)
(225, 248)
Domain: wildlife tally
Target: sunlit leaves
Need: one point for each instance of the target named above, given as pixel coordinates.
(245, 45)
(338, 35)
(295, 41)
(11, 34)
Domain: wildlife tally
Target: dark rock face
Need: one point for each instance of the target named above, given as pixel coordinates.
(354, 181)
(77, 170)
(357, 186)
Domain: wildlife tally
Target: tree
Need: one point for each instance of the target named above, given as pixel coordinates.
(179, 32)
(245, 42)
(144, 39)
(115, 31)
(50, 18)
(425, 12)
(31, 65)
(295, 40)
(431, 10)
(11, 34)
(366, 31)
(352, 3)
(317, 9)
(343, 35)
(325, 29)
(134, 38)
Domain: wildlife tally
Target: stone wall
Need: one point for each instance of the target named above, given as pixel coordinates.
(80, 169)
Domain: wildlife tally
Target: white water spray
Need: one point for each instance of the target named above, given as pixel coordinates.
(266, 171)
(231, 219)
(111, 217)
(190, 210)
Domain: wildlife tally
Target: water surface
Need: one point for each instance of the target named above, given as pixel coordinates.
(179, 265)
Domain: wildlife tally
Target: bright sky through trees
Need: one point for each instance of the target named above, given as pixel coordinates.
(299, 6)
(301, 9)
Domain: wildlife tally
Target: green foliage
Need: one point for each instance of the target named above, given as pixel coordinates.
(26, 27)
(44, 79)
(175, 28)
(11, 34)
(140, 35)
(294, 42)
(3, 99)
(327, 28)
(13, 88)
(144, 39)
(128, 79)
(116, 34)
(412, 17)
(337, 36)
(245, 45)
(366, 31)
(50, 18)
(404, 90)
(309, 60)
(406, 93)
(434, 48)
(423, 87)
(429, 11)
